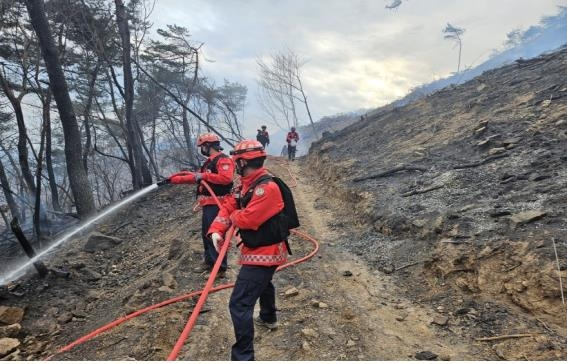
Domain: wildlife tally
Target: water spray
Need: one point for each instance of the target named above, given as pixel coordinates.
(22, 269)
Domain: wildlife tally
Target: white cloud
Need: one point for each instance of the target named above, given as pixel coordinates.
(359, 54)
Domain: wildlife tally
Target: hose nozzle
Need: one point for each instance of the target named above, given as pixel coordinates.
(164, 182)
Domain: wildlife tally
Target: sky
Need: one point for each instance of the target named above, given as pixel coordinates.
(358, 53)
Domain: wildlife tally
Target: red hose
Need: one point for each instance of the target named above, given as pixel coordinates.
(204, 294)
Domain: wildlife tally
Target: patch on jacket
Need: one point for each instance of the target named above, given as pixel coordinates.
(259, 191)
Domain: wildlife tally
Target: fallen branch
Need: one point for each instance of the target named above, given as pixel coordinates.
(484, 161)
(391, 172)
(504, 337)
(410, 265)
(425, 190)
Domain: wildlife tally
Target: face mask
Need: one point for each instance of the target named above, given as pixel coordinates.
(205, 151)
(240, 165)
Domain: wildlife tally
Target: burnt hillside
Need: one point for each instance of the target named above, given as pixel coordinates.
(463, 190)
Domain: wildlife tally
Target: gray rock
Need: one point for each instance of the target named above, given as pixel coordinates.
(10, 330)
(91, 275)
(526, 217)
(11, 315)
(65, 318)
(425, 355)
(97, 242)
(440, 320)
(347, 273)
(291, 292)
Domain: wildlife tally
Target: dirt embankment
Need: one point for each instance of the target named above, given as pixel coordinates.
(460, 196)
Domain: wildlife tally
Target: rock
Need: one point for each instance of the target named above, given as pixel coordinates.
(462, 311)
(561, 122)
(44, 326)
(65, 318)
(8, 345)
(494, 151)
(97, 242)
(425, 355)
(60, 273)
(387, 268)
(169, 280)
(440, 320)
(526, 217)
(91, 275)
(350, 344)
(308, 332)
(445, 357)
(440, 309)
(10, 330)
(399, 306)
(323, 305)
(305, 346)
(11, 315)
(165, 289)
(291, 292)
(402, 316)
(347, 273)
(176, 249)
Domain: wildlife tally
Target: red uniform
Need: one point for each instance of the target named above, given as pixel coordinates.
(266, 202)
(223, 176)
(292, 135)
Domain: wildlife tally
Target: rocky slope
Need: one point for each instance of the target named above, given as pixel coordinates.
(463, 192)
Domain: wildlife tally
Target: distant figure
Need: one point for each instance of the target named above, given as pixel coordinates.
(263, 137)
(292, 139)
(284, 150)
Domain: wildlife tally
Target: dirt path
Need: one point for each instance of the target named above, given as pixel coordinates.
(363, 316)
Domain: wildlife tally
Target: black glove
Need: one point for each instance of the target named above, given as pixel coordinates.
(164, 182)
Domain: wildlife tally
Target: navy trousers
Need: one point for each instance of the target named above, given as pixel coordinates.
(210, 254)
(252, 283)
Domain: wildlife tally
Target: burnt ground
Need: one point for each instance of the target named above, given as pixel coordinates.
(422, 260)
(459, 197)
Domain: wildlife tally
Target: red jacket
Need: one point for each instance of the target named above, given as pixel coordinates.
(266, 202)
(292, 135)
(225, 172)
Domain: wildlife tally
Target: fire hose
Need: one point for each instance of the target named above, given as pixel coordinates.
(203, 294)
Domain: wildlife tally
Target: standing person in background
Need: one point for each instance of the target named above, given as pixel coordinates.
(217, 171)
(292, 139)
(263, 137)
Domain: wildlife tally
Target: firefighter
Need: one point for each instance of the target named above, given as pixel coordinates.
(292, 139)
(255, 213)
(217, 171)
(263, 136)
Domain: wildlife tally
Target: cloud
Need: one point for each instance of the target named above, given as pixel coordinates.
(359, 53)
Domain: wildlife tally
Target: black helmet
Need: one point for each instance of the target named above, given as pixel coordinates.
(263, 126)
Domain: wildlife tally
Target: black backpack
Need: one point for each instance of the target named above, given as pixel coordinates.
(289, 212)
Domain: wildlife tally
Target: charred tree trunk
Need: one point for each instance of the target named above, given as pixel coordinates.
(28, 249)
(37, 205)
(48, 150)
(140, 168)
(22, 135)
(8, 192)
(79, 182)
(87, 116)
